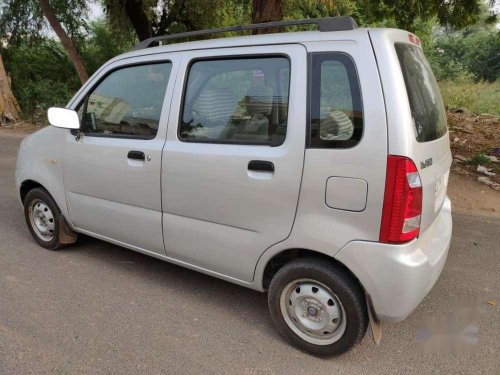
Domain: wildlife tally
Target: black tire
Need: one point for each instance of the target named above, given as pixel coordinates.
(341, 283)
(40, 194)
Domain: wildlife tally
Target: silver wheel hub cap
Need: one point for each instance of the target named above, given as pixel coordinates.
(42, 220)
(313, 311)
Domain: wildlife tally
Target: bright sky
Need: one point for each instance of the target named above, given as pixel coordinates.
(95, 11)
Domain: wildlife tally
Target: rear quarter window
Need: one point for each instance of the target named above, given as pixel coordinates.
(336, 110)
(426, 104)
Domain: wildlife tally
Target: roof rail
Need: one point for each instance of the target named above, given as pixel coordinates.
(324, 24)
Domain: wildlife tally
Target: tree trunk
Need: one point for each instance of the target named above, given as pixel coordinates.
(134, 9)
(66, 41)
(267, 11)
(9, 109)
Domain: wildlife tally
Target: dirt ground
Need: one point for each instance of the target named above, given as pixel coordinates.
(22, 127)
(473, 139)
(473, 198)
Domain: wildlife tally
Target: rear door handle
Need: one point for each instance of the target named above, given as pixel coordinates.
(260, 166)
(136, 155)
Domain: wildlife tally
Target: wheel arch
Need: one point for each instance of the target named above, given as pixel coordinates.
(279, 259)
(28, 185)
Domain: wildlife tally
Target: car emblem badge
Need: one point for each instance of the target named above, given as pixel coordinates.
(426, 163)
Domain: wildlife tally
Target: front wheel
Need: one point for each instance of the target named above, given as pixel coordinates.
(43, 218)
(318, 306)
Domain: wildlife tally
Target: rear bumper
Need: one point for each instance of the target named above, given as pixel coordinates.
(398, 277)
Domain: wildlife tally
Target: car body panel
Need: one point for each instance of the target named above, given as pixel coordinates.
(398, 277)
(218, 214)
(40, 160)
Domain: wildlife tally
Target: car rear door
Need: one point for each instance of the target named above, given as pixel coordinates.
(344, 169)
(232, 163)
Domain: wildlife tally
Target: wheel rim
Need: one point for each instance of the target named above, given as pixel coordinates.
(42, 220)
(313, 312)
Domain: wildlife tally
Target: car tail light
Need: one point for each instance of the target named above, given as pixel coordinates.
(402, 201)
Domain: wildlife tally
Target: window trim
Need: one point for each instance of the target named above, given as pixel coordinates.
(231, 57)
(100, 80)
(317, 142)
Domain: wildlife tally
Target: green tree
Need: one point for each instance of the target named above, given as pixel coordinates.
(102, 44)
(295, 9)
(42, 75)
(473, 51)
(67, 42)
(9, 108)
(481, 55)
(404, 13)
(21, 19)
(158, 17)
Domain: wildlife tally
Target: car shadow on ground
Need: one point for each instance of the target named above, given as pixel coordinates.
(219, 294)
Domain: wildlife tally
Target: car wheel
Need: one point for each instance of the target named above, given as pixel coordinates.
(43, 218)
(318, 306)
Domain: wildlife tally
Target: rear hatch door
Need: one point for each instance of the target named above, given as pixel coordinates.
(415, 114)
(431, 151)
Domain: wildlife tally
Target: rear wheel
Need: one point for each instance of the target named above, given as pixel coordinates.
(318, 306)
(43, 218)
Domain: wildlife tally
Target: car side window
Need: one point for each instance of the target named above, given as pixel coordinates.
(236, 100)
(336, 111)
(127, 102)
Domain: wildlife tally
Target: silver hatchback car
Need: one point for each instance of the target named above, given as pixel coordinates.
(312, 165)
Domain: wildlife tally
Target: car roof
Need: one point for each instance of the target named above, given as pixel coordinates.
(250, 40)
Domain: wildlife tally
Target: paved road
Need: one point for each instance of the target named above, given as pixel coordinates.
(98, 308)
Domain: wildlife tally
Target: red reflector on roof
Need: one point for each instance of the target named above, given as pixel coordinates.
(414, 39)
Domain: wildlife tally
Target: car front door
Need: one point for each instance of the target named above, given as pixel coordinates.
(232, 163)
(111, 169)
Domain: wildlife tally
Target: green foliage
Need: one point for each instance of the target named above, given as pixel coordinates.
(456, 13)
(42, 76)
(102, 44)
(477, 97)
(481, 54)
(21, 19)
(473, 52)
(236, 12)
(480, 159)
(175, 16)
(403, 14)
(187, 15)
(315, 9)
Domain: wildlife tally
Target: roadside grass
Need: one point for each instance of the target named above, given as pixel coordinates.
(480, 159)
(477, 97)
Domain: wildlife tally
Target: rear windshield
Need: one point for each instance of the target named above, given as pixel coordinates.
(426, 104)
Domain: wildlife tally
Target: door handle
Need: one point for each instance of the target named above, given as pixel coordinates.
(136, 155)
(260, 166)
